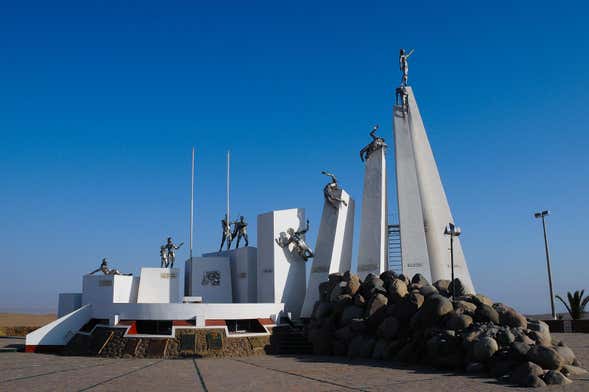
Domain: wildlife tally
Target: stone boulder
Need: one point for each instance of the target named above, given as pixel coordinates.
(353, 282)
(442, 286)
(389, 328)
(486, 313)
(554, 377)
(419, 279)
(521, 374)
(460, 291)
(484, 348)
(546, 357)
(351, 312)
(434, 308)
(361, 347)
(397, 290)
(505, 337)
(375, 303)
(456, 321)
(510, 317)
(573, 371)
(566, 353)
(466, 307)
(542, 335)
(372, 285)
(428, 290)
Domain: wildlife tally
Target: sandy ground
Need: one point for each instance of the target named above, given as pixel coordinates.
(25, 320)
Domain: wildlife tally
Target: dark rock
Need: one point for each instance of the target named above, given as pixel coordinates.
(554, 377)
(546, 357)
(467, 308)
(521, 374)
(434, 308)
(345, 334)
(428, 290)
(456, 288)
(361, 347)
(420, 280)
(573, 371)
(397, 290)
(340, 348)
(443, 351)
(359, 300)
(388, 276)
(375, 303)
(510, 317)
(542, 335)
(380, 349)
(324, 291)
(566, 353)
(533, 382)
(353, 283)
(372, 285)
(358, 325)
(485, 313)
(456, 321)
(404, 279)
(408, 307)
(484, 348)
(442, 286)
(351, 312)
(389, 328)
(504, 337)
(519, 350)
(322, 310)
(480, 299)
(475, 368)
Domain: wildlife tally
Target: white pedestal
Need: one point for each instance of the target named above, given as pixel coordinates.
(333, 250)
(373, 224)
(210, 278)
(436, 211)
(281, 272)
(159, 285)
(108, 289)
(68, 302)
(244, 273)
(414, 254)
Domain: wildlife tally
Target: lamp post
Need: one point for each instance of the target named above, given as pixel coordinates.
(541, 215)
(452, 231)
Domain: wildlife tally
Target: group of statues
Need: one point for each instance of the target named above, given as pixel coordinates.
(168, 253)
(239, 231)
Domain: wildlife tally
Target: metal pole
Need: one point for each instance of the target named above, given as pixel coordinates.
(548, 266)
(452, 266)
(228, 189)
(192, 204)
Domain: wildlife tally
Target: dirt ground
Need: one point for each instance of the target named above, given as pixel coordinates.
(19, 324)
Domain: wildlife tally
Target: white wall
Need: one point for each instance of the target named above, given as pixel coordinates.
(60, 331)
(244, 273)
(159, 285)
(209, 293)
(68, 302)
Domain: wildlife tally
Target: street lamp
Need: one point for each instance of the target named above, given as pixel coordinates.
(452, 231)
(541, 215)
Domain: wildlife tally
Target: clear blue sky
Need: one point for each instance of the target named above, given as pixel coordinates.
(101, 102)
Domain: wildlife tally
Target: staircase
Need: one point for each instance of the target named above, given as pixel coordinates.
(394, 249)
(289, 340)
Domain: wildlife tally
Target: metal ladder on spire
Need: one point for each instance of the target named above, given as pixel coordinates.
(394, 246)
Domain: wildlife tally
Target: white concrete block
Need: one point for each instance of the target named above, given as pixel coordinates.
(333, 249)
(211, 279)
(281, 272)
(99, 289)
(372, 247)
(159, 285)
(68, 302)
(244, 273)
(414, 254)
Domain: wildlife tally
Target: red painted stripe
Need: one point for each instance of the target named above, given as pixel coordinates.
(215, 323)
(182, 323)
(48, 349)
(266, 321)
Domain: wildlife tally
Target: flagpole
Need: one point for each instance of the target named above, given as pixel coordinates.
(192, 205)
(228, 183)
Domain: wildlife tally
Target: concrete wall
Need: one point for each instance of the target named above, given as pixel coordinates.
(281, 272)
(60, 331)
(68, 302)
(159, 285)
(210, 293)
(244, 273)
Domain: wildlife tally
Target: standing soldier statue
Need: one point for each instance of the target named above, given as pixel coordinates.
(296, 238)
(171, 248)
(240, 231)
(331, 191)
(226, 227)
(404, 65)
(105, 270)
(163, 256)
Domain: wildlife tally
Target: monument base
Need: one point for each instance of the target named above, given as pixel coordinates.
(159, 285)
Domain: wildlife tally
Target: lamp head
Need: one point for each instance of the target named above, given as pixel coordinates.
(452, 230)
(542, 214)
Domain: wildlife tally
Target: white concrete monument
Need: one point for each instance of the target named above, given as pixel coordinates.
(372, 247)
(210, 278)
(159, 285)
(281, 271)
(108, 289)
(415, 161)
(333, 249)
(244, 273)
(68, 302)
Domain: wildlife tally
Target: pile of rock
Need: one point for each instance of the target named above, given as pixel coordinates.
(392, 318)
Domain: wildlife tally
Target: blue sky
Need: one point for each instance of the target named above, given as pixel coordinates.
(101, 102)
